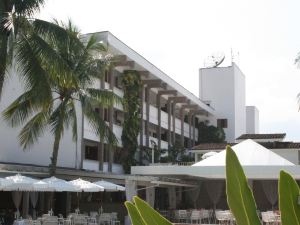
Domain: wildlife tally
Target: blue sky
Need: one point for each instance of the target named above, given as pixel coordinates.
(177, 36)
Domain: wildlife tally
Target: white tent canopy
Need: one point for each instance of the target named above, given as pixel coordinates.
(110, 187)
(249, 153)
(257, 161)
(86, 186)
(60, 185)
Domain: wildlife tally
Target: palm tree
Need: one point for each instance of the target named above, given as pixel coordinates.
(14, 17)
(66, 69)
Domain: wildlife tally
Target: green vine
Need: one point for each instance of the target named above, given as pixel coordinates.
(132, 85)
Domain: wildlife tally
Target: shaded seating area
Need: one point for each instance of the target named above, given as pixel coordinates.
(28, 199)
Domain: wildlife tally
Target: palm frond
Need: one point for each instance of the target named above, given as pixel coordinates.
(52, 31)
(27, 7)
(98, 125)
(33, 129)
(23, 107)
(59, 68)
(29, 66)
(3, 58)
(104, 98)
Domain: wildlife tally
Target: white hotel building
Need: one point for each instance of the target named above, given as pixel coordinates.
(170, 112)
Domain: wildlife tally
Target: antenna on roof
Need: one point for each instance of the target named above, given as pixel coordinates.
(214, 60)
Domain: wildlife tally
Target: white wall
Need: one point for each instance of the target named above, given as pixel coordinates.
(240, 101)
(224, 88)
(252, 120)
(217, 86)
(39, 153)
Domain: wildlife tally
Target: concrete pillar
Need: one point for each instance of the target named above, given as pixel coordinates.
(190, 129)
(101, 144)
(182, 126)
(111, 120)
(141, 124)
(159, 122)
(150, 196)
(173, 123)
(169, 107)
(194, 129)
(147, 100)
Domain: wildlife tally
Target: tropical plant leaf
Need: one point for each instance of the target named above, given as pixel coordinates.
(239, 195)
(149, 215)
(135, 216)
(288, 200)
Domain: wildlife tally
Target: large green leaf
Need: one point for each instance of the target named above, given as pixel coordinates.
(135, 216)
(149, 215)
(239, 195)
(288, 200)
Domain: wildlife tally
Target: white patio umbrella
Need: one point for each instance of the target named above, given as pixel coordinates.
(110, 187)
(60, 185)
(23, 183)
(86, 186)
(4, 182)
(18, 183)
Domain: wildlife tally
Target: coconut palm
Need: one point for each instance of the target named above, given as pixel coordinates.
(14, 17)
(60, 73)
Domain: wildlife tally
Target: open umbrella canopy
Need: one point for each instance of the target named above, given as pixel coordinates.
(4, 182)
(86, 186)
(60, 185)
(110, 187)
(23, 183)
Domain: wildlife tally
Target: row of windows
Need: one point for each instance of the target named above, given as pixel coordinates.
(91, 152)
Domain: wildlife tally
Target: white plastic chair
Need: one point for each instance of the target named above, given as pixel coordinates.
(114, 219)
(105, 218)
(224, 217)
(195, 216)
(269, 218)
(182, 216)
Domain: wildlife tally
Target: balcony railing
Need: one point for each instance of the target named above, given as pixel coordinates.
(172, 164)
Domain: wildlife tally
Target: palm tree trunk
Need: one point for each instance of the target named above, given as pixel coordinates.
(52, 169)
(3, 58)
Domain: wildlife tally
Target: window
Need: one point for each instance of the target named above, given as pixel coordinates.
(118, 82)
(222, 123)
(91, 152)
(106, 77)
(97, 110)
(106, 115)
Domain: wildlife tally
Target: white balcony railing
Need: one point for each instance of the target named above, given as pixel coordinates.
(93, 165)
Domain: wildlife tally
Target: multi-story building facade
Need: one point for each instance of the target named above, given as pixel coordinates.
(169, 113)
(224, 89)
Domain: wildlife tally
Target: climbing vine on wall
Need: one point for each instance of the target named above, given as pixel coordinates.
(132, 85)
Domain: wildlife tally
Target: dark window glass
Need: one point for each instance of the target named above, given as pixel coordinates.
(222, 123)
(91, 152)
